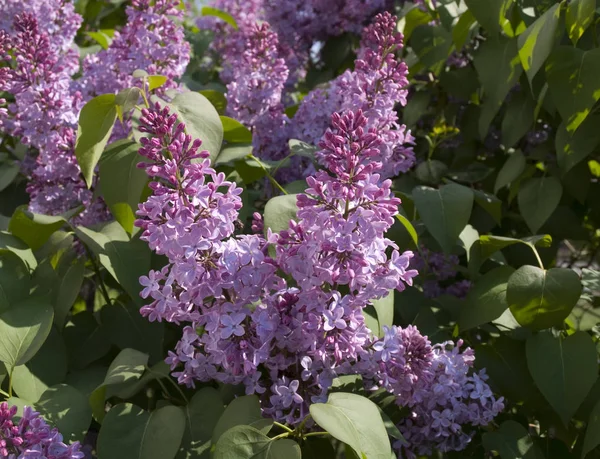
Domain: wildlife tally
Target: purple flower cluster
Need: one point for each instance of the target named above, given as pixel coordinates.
(152, 40)
(439, 272)
(375, 86)
(254, 94)
(285, 340)
(47, 99)
(31, 437)
(448, 399)
(45, 107)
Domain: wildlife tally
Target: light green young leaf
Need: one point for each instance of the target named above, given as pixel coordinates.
(96, 122)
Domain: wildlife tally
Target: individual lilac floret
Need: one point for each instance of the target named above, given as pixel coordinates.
(375, 86)
(447, 404)
(31, 437)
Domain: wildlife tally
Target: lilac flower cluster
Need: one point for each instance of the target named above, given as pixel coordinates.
(31, 437)
(254, 95)
(152, 40)
(245, 323)
(449, 399)
(439, 272)
(437, 383)
(45, 107)
(47, 99)
(375, 86)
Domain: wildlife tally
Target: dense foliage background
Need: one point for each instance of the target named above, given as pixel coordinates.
(501, 208)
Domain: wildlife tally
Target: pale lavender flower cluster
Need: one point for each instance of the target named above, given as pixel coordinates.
(152, 40)
(31, 437)
(446, 403)
(254, 94)
(375, 86)
(439, 272)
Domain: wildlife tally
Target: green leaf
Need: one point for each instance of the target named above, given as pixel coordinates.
(156, 81)
(572, 78)
(201, 120)
(486, 301)
(563, 369)
(241, 410)
(279, 211)
(490, 203)
(356, 421)
(542, 299)
(210, 11)
(385, 312)
(300, 148)
(463, 28)
(121, 181)
(234, 131)
(23, 330)
(14, 279)
(96, 121)
(128, 365)
(68, 290)
(245, 442)
(8, 172)
(580, 14)
(127, 99)
(34, 229)
(511, 170)
(571, 149)
(432, 43)
(67, 409)
(202, 413)
(101, 38)
(47, 368)
(499, 69)
(538, 198)
(19, 248)
(491, 14)
(126, 328)
(512, 441)
(592, 433)
(536, 43)
(505, 362)
(128, 432)
(445, 211)
(409, 227)
(216, 98)
(86, 340)
(126, 260)
(518, 119)
(431, 171)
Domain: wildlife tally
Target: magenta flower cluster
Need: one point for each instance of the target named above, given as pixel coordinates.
(40, 75)
(31, 437)
(284, 326)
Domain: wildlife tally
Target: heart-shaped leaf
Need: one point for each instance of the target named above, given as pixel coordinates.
(542, 299)
(564, 369)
